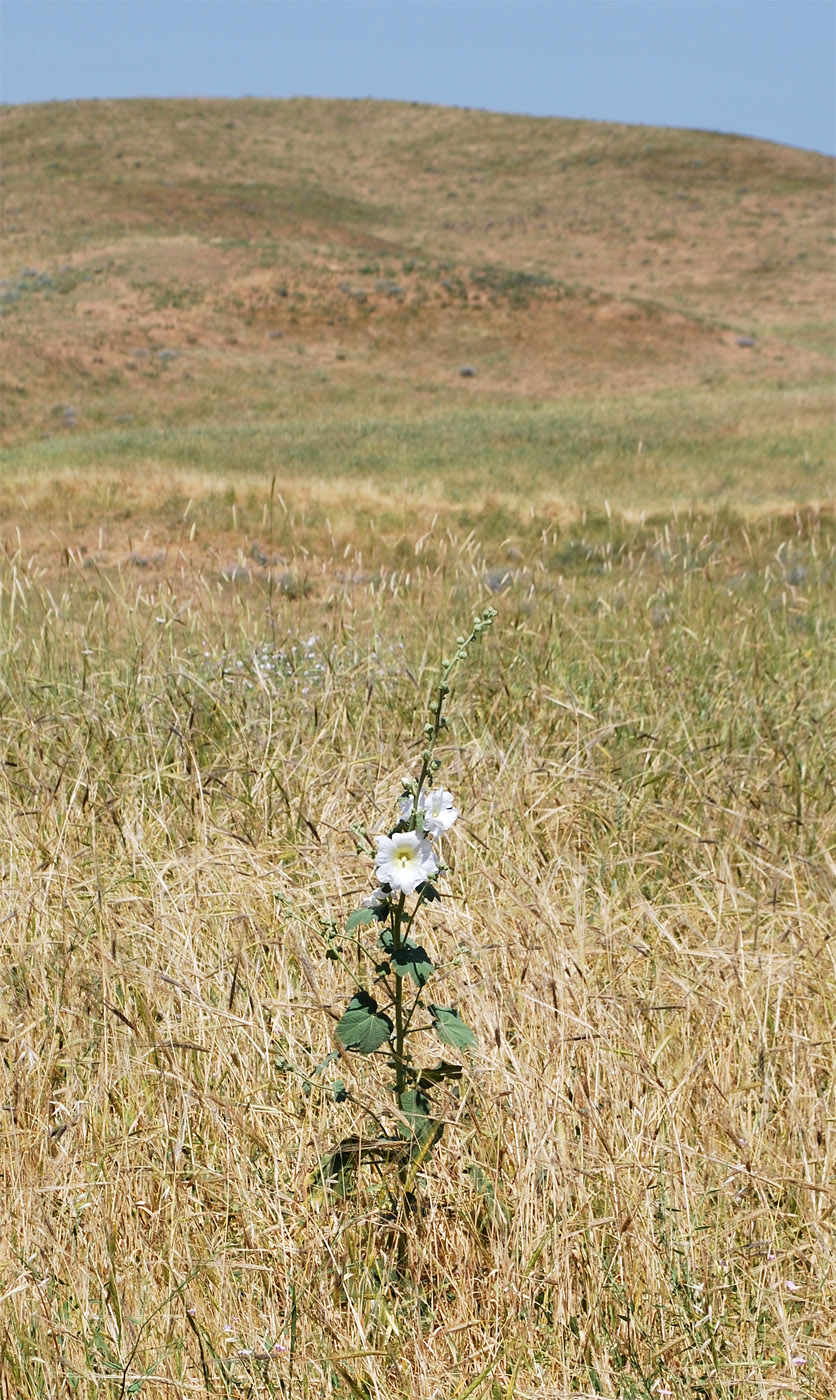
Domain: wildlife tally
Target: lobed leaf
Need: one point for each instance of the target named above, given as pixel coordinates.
(443, 1070)
(362, 1027)
(360, 916)
(451, 1029)
(410, 960)
(415, 1107)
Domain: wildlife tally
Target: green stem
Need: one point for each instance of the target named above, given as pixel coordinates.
(397, 943)
(413, 1008)
(402, 922)
(400, 1084)
(435, 724)
(410, 918)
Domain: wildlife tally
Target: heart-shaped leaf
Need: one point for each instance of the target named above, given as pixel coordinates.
(415, 1107)
(451, 1029)
(443, 1070)
(362, 1026)
(360, 916)
(410, 960)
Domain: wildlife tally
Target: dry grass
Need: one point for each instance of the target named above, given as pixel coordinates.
(232, 560)
(634, 1194)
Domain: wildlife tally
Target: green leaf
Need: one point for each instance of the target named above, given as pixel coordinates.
(362, 1027)
(360, 916)
(451, 1029)
(334, 1172)
(329, 1060)
(493, 1210)
(317, 1070)
(410, 960)
(338, 1091)
(415, 1107)
(443, 1070)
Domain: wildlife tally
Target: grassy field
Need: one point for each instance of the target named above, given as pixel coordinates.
(248, 502)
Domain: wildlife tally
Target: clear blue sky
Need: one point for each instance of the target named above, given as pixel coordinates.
(756, 67)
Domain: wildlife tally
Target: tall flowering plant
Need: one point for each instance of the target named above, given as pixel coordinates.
(382, 1017)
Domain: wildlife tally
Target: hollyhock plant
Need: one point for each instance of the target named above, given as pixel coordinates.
(405, 866)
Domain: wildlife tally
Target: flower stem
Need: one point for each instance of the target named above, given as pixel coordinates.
(436, 722)
(397, 943)
(400, 1084)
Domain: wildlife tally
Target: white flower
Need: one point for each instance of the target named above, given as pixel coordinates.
(435, 809)
(438, 811)
(404, 861)
(377, 900)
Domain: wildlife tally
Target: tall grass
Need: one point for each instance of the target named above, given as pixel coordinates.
(636, 1194)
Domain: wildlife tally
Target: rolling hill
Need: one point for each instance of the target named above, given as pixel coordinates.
(448, 303)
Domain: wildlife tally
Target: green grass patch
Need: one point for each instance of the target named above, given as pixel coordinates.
(640, 453)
